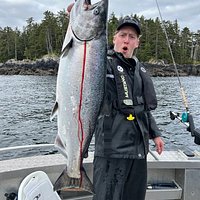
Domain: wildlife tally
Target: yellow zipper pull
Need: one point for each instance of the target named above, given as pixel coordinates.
(130, 117)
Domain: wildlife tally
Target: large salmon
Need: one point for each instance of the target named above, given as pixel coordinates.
(80, 88)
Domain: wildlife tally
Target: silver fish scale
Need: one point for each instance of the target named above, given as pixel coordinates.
(69, 139)
(69, 103)
(95, 78)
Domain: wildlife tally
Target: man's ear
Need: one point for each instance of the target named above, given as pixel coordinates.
(114, 37)
(138, 42)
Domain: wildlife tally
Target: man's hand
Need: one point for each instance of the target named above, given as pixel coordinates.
(159, 144)
(69, 8)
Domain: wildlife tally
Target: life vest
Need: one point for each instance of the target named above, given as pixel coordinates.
(132, 97)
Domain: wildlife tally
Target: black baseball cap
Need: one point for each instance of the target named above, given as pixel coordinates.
(127, 21)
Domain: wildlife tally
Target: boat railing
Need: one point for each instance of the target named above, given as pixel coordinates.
(6, 149)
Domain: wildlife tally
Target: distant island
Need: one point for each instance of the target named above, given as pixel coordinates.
(49, 66)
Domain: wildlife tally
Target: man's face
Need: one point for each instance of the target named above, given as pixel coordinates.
(125, 41)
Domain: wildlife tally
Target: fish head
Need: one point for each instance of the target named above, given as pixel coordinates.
(88, 21)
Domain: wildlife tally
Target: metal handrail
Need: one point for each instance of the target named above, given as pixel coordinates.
(25, 147)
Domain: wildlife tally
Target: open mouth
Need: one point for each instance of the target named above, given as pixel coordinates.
(125, 48)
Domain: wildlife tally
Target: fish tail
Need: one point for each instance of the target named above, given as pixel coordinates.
(54, 111)
(66, 183)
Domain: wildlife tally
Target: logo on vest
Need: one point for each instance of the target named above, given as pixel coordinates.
(143, 69)
(119, 68)
(128, 102)
(124, 85)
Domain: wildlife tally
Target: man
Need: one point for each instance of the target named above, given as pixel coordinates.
(125, 123)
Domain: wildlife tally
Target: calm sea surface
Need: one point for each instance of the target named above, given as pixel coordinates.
(26, 103)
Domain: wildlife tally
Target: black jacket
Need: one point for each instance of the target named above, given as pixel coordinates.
(115, 135)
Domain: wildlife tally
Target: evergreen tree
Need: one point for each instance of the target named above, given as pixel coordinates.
(7, 44)
(112, 25)
(39, 39)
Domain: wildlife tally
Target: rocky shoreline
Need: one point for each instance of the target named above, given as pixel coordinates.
(49, 66)
(40, 67)
(169, 70)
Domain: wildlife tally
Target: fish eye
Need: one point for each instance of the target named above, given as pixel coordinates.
(96, 11)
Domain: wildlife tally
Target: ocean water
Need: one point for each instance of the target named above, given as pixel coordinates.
(26, 103)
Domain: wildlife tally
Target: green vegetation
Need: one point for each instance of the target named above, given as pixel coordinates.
(46, 38)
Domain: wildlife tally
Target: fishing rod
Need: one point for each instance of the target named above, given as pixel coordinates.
(186, 118)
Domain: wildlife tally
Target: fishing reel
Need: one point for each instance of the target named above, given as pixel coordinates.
(187, 119)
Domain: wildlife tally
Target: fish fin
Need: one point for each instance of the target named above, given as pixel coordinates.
(66, 183)
(54, 111)
(67, 47)
(68, 42)
(86, 184)
(59, 144)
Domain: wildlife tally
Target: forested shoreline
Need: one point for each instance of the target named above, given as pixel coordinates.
(35, 49)
(35, 40)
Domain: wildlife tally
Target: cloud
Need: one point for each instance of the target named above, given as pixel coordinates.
(15, 13)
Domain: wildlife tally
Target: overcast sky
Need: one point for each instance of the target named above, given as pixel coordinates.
(14, 13)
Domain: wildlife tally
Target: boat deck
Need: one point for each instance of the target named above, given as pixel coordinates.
(170, 167)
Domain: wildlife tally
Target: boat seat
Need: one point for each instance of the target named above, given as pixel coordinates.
(37, 186)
